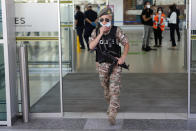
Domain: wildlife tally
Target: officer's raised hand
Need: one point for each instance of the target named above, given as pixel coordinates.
(103, 30)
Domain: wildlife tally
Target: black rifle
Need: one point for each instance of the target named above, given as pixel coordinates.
(114, 61)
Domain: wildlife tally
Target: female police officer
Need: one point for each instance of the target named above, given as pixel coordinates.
(107, 37)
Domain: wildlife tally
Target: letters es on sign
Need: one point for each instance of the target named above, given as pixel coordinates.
(36, 17)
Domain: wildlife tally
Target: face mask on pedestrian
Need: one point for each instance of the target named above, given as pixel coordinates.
(148, 6)
(107, 25)
(159, 12)
(107, 20)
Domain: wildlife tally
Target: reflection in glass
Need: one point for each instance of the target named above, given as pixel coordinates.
(1, 29)
(33, 34)
(2, 86)
(66, 19)
(66, 13)
(193, 91)
(193, 74)
(66, 40)
(43, 63)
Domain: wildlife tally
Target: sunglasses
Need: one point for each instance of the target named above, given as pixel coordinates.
(106, 20)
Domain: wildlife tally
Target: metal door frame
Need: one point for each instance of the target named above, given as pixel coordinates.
(6, 65)
(189, 51)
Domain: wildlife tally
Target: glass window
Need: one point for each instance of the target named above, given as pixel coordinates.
(193, 62)
(2, 86)
(193, 73)
(1, 29)
(43, 66)
(41, 39)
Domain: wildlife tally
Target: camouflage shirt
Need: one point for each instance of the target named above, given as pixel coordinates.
(120, 37)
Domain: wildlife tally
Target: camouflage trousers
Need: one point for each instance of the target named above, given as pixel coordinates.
(111, 86)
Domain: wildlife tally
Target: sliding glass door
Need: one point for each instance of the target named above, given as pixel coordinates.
(3, 114)
(192, 60)
(37, 27)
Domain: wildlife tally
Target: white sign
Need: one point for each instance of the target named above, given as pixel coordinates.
(36, 17)
(134, 12)
(170, 2)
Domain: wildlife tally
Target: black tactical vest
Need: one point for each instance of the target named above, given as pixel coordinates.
(108, 43)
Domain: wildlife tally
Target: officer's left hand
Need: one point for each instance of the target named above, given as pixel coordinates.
(121, 60)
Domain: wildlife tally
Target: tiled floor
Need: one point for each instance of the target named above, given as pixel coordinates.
(103, 125)
(140, 92)
(126, 115)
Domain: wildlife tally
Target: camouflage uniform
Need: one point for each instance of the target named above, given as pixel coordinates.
(111, 84)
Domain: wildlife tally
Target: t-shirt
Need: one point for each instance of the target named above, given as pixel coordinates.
(91, 15)
(147, 13)
(173, 18)
(79, 16)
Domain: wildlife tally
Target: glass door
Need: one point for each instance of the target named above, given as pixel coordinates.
(1, 29)
(66, 23)
(192, 60)
(38, 29)
(68, 44)
(2, 86)
(3, 114)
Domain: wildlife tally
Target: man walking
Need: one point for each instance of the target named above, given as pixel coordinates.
(106, 38)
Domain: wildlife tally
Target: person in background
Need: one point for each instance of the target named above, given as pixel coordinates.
(90, 19)
(172, 19)
(79, 23)
(107, 38)
(147, 21)
(158, 26)
(178, 21)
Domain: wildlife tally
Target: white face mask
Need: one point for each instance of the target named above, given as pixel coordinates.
(159, 12)
(107, 25)
(148, 6)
